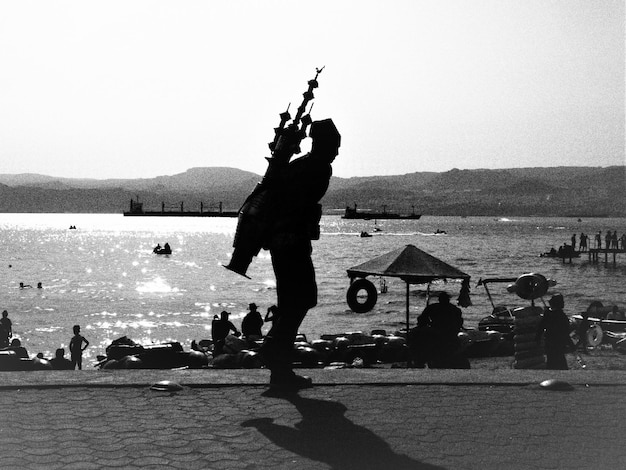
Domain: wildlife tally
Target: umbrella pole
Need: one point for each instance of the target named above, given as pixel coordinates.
(408, 362)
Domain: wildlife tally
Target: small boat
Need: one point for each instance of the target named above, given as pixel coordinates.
(165, 250)
(561, 253)
(501, 318)
(365, 234)
(597, 315)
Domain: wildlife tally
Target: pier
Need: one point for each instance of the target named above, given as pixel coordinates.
(596, 253)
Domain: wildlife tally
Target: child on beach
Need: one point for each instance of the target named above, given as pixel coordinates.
(76, 348)
(6, 329)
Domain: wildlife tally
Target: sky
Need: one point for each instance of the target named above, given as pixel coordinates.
(137, 89)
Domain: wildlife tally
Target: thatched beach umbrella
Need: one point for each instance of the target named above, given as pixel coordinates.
(413, 266)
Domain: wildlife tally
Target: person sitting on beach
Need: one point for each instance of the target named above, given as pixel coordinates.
(60, 362)
(6, 329)
(435, 341)
(16, 345)
(77, 348)
(252, 323)
(615, 314)
(219, 331)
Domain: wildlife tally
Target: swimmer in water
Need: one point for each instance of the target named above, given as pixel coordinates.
(25, 286)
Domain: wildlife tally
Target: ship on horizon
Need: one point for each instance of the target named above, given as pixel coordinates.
(353, 213)
(136, 209)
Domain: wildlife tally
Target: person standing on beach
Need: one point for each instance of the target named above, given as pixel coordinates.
(6, 329)
(77, 348)
(555, 324)
(295, 222)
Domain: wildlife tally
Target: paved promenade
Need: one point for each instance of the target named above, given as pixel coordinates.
(351, 419)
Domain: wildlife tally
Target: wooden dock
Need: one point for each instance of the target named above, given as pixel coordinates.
(596, 253)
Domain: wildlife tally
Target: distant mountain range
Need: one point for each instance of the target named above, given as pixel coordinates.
(557, 191)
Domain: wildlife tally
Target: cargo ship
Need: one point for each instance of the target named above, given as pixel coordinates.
(353, 213)
(136, 209)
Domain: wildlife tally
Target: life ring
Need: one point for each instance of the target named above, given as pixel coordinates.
(594, 335)
(530, 286)
(352, 296)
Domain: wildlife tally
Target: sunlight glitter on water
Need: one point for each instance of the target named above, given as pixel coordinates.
(158, 285)
(105, 277)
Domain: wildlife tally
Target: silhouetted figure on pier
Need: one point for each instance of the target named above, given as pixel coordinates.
(599, 240)
(583, 242)
(573, 242)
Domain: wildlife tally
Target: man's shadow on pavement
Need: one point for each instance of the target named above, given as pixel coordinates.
(326, 435)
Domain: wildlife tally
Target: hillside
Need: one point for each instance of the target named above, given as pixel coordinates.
(563, 191)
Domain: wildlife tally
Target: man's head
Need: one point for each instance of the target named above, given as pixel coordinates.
(252, 306)
(326, 138)
(556, 301)
(444, 298)
(224, 315)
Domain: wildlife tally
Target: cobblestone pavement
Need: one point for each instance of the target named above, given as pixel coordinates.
(331, 426)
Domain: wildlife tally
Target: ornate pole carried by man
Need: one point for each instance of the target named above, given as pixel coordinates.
(282, 215)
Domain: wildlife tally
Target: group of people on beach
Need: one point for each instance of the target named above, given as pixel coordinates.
(251, 326)
(78, 343)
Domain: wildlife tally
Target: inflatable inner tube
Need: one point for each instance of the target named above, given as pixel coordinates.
(594, 335)
(353, 296)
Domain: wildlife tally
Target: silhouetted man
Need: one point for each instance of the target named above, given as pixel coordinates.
(295, 222)
(435, 340)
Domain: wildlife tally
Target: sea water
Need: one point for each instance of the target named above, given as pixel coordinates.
(103, 274)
